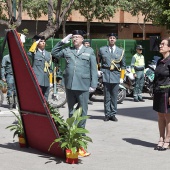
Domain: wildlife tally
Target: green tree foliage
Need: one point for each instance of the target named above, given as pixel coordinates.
(163, 15)
(98, 9)
(148, 8)
(35, 9)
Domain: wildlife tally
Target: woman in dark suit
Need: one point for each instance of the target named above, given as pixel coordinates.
(161, 102)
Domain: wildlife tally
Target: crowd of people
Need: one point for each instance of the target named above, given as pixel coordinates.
(81, 76)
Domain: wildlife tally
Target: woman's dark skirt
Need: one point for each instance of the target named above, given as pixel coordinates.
(161, 103)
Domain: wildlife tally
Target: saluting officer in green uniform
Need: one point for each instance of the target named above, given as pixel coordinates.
(113, 67)
(80, 75)
(41, 61)
(138, 67)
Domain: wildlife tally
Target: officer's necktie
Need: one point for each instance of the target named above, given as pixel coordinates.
(43, 53)
(111, 50)
(77, 51)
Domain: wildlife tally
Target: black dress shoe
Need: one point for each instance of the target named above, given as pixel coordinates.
(141, 100)
(106, 118)
(113, 118)
(136, 100)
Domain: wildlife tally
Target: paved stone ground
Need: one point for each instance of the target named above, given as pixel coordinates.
(124, 145)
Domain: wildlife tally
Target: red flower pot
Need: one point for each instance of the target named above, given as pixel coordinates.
(71, 158)
(22, 142)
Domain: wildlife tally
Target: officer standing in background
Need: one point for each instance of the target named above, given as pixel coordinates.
(86, 43)
(80, 75)
(7, 76)
(113, 66)
(41, 61)
(138, 67)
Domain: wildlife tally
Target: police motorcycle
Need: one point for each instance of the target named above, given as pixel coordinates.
(100, 89)
(129, 80)
(149, 76)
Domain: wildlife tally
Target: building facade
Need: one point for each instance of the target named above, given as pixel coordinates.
(123, 24)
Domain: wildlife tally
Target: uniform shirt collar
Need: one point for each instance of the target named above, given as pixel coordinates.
(41, 51)
(79, 48)
(114, 47)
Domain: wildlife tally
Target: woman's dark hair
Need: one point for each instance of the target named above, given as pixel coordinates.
(168, 39)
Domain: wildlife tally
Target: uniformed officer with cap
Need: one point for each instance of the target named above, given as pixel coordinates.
(7, 76)
(113, 65)
(41, 60)
(86, 43)
(138, 67)
(80, 75)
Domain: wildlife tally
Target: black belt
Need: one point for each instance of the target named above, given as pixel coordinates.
(139, 68)
(108, 68)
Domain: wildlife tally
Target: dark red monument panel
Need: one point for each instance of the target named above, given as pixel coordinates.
(39, 127)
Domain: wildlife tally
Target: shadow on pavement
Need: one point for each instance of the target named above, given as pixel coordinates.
(146, 113)
(5, 106)
(126, 99)
(15, 146)
(96, 117)
(139, 142)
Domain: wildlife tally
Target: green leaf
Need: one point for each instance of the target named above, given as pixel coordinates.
(87, 138)
(70, 121)
(64, 144)
(82, 118)
(81, 130)
(77, 113)
(74, 149)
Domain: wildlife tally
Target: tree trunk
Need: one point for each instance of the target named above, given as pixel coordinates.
(88, 29)
(144, 37)
(64, 27)
(36, 26)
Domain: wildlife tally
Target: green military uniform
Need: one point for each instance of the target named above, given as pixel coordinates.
(7, 74)
(79, 75)
(138, 67)
(39, 60)
(111, 66)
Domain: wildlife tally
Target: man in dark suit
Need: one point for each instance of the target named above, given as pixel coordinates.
(112, 61)
(80, 75)
(41, 61)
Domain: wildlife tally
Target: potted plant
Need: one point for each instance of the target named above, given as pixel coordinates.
(18, 130)
(72, 137)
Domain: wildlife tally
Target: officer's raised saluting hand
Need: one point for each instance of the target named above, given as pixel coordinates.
(37, 42)
(67, 38)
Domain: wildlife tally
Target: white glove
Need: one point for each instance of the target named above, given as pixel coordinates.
(38, 41)
(22, 37)
(100, 73)
(67, 38)
(121, 81)
(92, 89)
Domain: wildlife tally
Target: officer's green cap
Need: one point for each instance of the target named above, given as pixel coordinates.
(112, 34)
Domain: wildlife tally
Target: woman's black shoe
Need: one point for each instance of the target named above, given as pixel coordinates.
(164, 148)
(159, 146)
